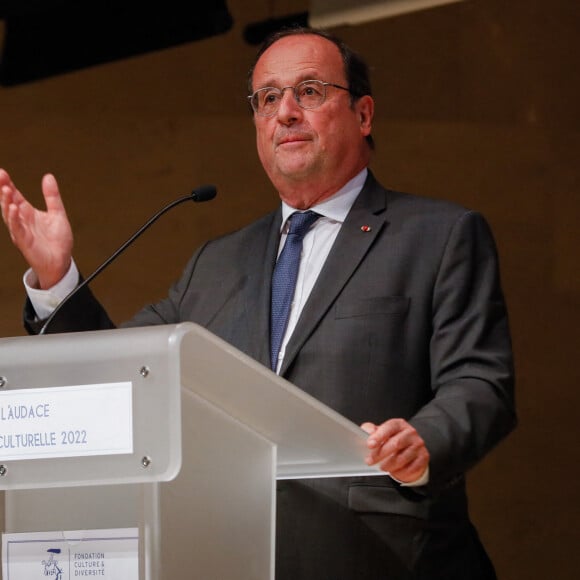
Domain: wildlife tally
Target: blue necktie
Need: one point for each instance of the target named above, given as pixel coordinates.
(284, 279)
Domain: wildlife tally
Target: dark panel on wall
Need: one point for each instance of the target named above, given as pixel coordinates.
(45, 39)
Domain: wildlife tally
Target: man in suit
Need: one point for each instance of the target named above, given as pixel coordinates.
(398, 322)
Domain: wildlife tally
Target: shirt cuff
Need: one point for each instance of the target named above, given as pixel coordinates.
(45, 301)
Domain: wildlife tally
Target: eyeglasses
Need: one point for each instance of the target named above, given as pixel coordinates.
(308, 94)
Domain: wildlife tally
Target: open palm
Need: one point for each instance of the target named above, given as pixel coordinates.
(44, 238)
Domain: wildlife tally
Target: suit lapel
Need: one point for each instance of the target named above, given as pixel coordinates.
(262, 258)
(362, 225)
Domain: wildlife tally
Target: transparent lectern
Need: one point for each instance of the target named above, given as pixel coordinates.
(210, 431)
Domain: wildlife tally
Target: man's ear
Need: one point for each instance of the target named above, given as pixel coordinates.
(365, 107)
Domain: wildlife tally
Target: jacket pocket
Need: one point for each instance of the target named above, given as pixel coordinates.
(385, 499)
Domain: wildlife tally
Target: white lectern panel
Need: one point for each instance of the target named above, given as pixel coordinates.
(312, 439)
(149, 361)
(240, 427)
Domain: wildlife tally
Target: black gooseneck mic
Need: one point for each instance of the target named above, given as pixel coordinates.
(203, 193)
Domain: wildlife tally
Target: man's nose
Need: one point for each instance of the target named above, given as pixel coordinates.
(289, 109)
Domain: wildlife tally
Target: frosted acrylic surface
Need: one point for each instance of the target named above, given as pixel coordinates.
(240, 426)
(312, 440)
(148, 358)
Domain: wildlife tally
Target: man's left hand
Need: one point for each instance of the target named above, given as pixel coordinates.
(398, 449)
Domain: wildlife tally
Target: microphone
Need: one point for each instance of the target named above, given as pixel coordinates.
(202, 193)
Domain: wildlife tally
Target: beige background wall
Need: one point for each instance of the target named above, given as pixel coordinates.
(477, 102)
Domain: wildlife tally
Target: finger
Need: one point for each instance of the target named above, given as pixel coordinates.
(10, 196)
(6, 193)
(4, 203)
(386, 451)
(408, 469)
(384, 432)
(4, 177)
(402, 463)
(16, 221)
(403, 442)
(368, 428)
(399, 459)
(13, 221)
(390, 428)
(51, 195)
(9, 192)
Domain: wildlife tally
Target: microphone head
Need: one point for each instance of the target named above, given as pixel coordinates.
(204, 193)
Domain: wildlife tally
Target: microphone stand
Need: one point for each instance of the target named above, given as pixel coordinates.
(203, 193)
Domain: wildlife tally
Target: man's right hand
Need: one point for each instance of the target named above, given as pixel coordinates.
(44, 238)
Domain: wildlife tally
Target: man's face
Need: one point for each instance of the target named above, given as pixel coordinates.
(310, 154)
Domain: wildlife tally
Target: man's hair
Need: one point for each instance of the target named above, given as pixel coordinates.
(356, 68)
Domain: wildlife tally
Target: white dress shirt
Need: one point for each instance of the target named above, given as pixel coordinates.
(316, 246)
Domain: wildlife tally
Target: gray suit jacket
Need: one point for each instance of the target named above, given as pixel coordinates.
(407, 319)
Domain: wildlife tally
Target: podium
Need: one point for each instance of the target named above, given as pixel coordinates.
(203, 435)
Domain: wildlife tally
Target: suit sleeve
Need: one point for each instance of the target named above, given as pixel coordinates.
(84, 312)
(472, 407)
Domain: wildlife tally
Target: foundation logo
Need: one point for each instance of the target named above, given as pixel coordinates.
(50, 566)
